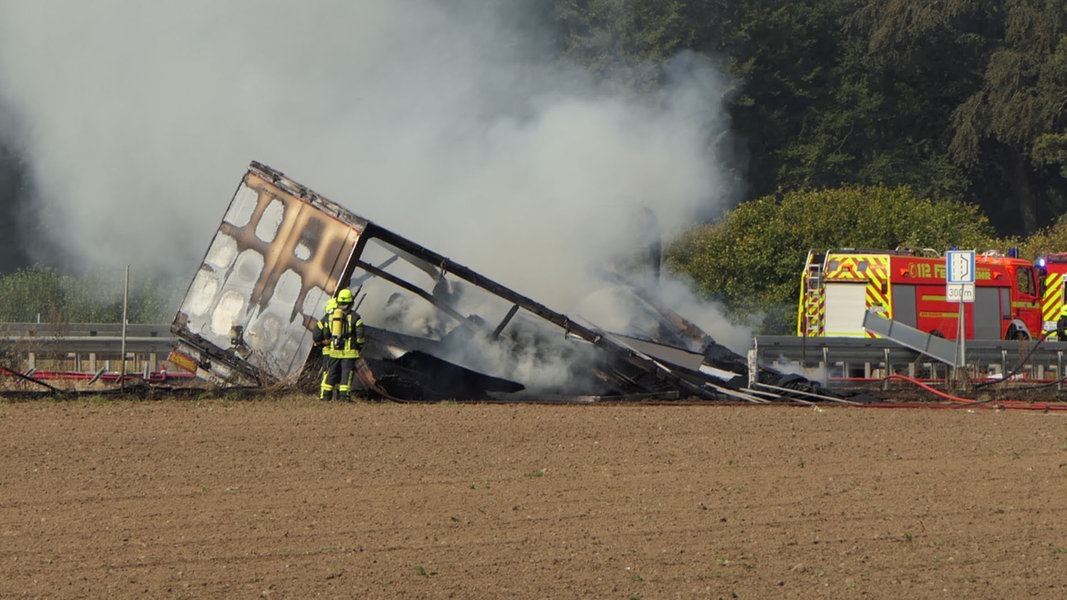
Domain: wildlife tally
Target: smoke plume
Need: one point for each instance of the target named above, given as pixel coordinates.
(454, 124)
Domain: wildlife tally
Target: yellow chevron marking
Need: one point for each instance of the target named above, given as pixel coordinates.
(1053, 300)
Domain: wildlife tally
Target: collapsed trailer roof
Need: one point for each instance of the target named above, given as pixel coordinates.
(436, 329)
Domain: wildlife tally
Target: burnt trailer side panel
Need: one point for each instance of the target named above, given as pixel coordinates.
(277, 256)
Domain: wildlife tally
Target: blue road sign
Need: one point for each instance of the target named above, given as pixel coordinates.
(960, 266)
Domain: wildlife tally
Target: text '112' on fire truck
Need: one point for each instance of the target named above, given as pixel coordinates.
(909, 286)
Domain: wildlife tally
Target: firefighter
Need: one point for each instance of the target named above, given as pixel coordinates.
(346, 330)
(1061, 325)
(323, 339)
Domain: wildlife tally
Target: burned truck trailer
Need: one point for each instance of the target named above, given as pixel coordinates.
(435, 329)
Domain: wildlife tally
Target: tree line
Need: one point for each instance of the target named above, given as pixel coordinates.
(962, 100)
(43, 294)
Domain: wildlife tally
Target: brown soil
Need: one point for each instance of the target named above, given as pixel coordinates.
(296, 498)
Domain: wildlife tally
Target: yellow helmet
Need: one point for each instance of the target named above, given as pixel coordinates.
(344, 296)
(331, 305)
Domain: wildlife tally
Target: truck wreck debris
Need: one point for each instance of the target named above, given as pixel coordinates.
(435, 329)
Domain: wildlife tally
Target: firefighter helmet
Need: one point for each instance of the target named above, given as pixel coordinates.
(344, 296)
(331, 305)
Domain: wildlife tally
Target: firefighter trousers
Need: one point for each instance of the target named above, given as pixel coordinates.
(331, 377)
(346, 370)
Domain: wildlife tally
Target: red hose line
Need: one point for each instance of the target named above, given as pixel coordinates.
(966, 402)
(932, 390)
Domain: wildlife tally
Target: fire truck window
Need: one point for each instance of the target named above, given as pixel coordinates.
(1025, 281)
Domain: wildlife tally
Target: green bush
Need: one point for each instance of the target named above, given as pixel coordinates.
(752, 259)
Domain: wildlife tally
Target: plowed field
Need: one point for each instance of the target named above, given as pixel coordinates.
(296, 498)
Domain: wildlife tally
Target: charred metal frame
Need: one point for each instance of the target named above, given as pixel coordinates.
(634, 368)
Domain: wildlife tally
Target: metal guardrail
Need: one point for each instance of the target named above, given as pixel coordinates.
(84, 344)
(817, 357)
(83, 329)
(875, 357)
(937, 347)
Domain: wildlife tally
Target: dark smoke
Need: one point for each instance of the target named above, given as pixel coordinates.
(16, 231)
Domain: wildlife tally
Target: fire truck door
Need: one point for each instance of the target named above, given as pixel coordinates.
(988, 312)
(845, 305)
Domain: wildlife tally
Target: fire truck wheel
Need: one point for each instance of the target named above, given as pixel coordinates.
(937, 333)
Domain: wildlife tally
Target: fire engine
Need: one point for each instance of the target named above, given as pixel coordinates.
(909, 286)
(1051, 270)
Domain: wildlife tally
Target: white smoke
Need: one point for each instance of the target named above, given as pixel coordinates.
(440, 121)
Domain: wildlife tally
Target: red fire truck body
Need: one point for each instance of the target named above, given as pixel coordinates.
(909, 286)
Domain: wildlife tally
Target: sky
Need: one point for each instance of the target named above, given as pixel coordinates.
(451, 123)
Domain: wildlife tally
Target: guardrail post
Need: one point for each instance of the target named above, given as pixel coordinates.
(888, 371)
(1059, 370)
(753, 369)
